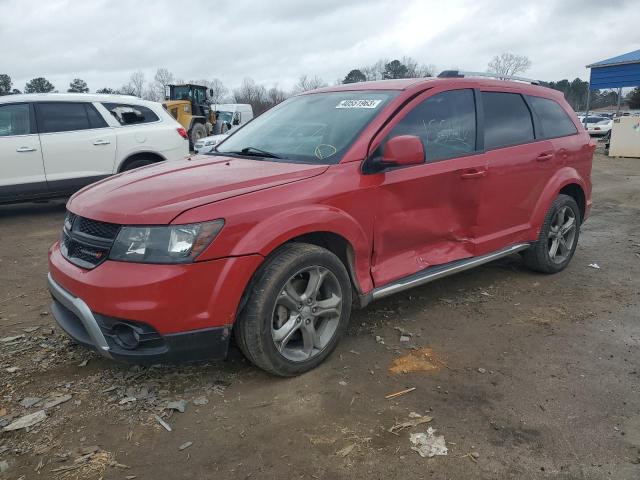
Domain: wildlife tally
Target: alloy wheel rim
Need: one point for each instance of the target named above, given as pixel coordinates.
(562, 234)
(306, 314)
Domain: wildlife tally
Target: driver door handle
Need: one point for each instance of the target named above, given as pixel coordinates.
(101, 142)
(25, 149)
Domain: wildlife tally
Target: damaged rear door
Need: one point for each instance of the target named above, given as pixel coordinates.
(427, 214)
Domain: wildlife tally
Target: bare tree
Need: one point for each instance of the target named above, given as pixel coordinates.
(508, 64)
(305, 83)
(137, 83)
(276, 95)
(127, 89)
(218, 91)
(417, 70)
(253, 94)
(162, 79)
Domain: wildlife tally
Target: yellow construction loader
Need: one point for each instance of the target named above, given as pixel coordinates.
(189, 105)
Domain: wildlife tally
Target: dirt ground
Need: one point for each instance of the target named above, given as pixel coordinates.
(536, 376)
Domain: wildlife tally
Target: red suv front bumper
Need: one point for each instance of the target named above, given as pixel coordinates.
(148, 312)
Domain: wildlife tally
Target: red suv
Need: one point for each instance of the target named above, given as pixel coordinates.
(335, 197)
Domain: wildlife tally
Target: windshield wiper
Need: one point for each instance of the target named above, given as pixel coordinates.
(256, 152)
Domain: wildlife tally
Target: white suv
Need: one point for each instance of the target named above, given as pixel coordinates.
(54, 144)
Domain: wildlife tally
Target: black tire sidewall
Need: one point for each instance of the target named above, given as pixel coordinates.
(137, 163)
(262, 300)
(539, 258)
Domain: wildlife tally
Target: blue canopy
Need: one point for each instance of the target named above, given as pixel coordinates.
(616, 72)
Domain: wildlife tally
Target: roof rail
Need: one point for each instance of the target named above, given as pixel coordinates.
(463, 74)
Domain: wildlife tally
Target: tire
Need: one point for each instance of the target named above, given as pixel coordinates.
(540, 256)
(279, 302)
(137, 163)
(197, 132)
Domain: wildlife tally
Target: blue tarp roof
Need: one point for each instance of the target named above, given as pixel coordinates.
(620, 71)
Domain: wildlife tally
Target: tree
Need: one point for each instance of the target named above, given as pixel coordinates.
(78, 86)
(508, 64)
(395, 69)
(355, 76)
(107, 90)
(276, 95)
(162, 79)
(127, 89)
(5, 84)
(253, 94)
(137, 83)
(39, 85)
(218, 91)
(306, 83)
(634, 98)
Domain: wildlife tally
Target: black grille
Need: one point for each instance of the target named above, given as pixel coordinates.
(87, 242)
(96, 229)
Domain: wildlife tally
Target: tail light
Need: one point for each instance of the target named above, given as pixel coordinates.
(182, 132)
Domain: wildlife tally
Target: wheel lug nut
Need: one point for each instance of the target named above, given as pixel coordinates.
(307, 321)
(314, 309)
(309, 301)
(300, 307)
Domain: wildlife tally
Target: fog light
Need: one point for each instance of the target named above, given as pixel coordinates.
(126, 336)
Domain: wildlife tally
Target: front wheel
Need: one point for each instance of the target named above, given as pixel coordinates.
(198, 131)
(558, 237)
(297, 310)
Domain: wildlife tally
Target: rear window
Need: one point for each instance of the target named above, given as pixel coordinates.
(507, 120)
(127, 114)
(67, 117)
(553, 119)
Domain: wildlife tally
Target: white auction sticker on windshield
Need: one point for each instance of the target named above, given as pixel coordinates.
(358, 103)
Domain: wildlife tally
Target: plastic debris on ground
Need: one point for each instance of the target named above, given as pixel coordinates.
(427, 444)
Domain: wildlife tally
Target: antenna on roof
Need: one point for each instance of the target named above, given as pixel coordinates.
(463, 74)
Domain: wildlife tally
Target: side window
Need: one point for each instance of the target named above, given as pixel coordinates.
(131, 114)
(507, 120)
(553, 119)
(446, 123)
(95, 119)
(61, 117)
(14, 119)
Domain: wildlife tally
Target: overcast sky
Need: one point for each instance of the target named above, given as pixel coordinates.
(104, 41)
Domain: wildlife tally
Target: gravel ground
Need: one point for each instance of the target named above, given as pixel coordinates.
(524, 375)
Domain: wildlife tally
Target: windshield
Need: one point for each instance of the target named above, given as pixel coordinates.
(181, 92)
(224, 116)
(313, 128)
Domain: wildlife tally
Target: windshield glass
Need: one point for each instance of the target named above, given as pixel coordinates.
(181, 92)
(224, 116)
(313, 128)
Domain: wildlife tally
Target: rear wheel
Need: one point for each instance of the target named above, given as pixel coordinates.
(137, 163)
(558, 237)
(297, 310)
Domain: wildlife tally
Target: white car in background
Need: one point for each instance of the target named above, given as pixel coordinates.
(54, 144)
(596, 125)
(229, 117)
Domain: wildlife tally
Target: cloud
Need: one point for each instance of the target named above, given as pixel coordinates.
(104, 41)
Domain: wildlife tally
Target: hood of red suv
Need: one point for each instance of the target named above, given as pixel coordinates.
(160, 192)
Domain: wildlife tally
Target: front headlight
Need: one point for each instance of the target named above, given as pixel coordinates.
(166, 244)
(208, 143)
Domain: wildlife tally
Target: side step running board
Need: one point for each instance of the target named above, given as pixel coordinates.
(434, 273)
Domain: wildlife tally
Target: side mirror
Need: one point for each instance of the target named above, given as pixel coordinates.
(403, 150)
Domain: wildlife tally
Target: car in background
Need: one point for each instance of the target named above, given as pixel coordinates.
(229, 117)
(600, 128)
(51, 145)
